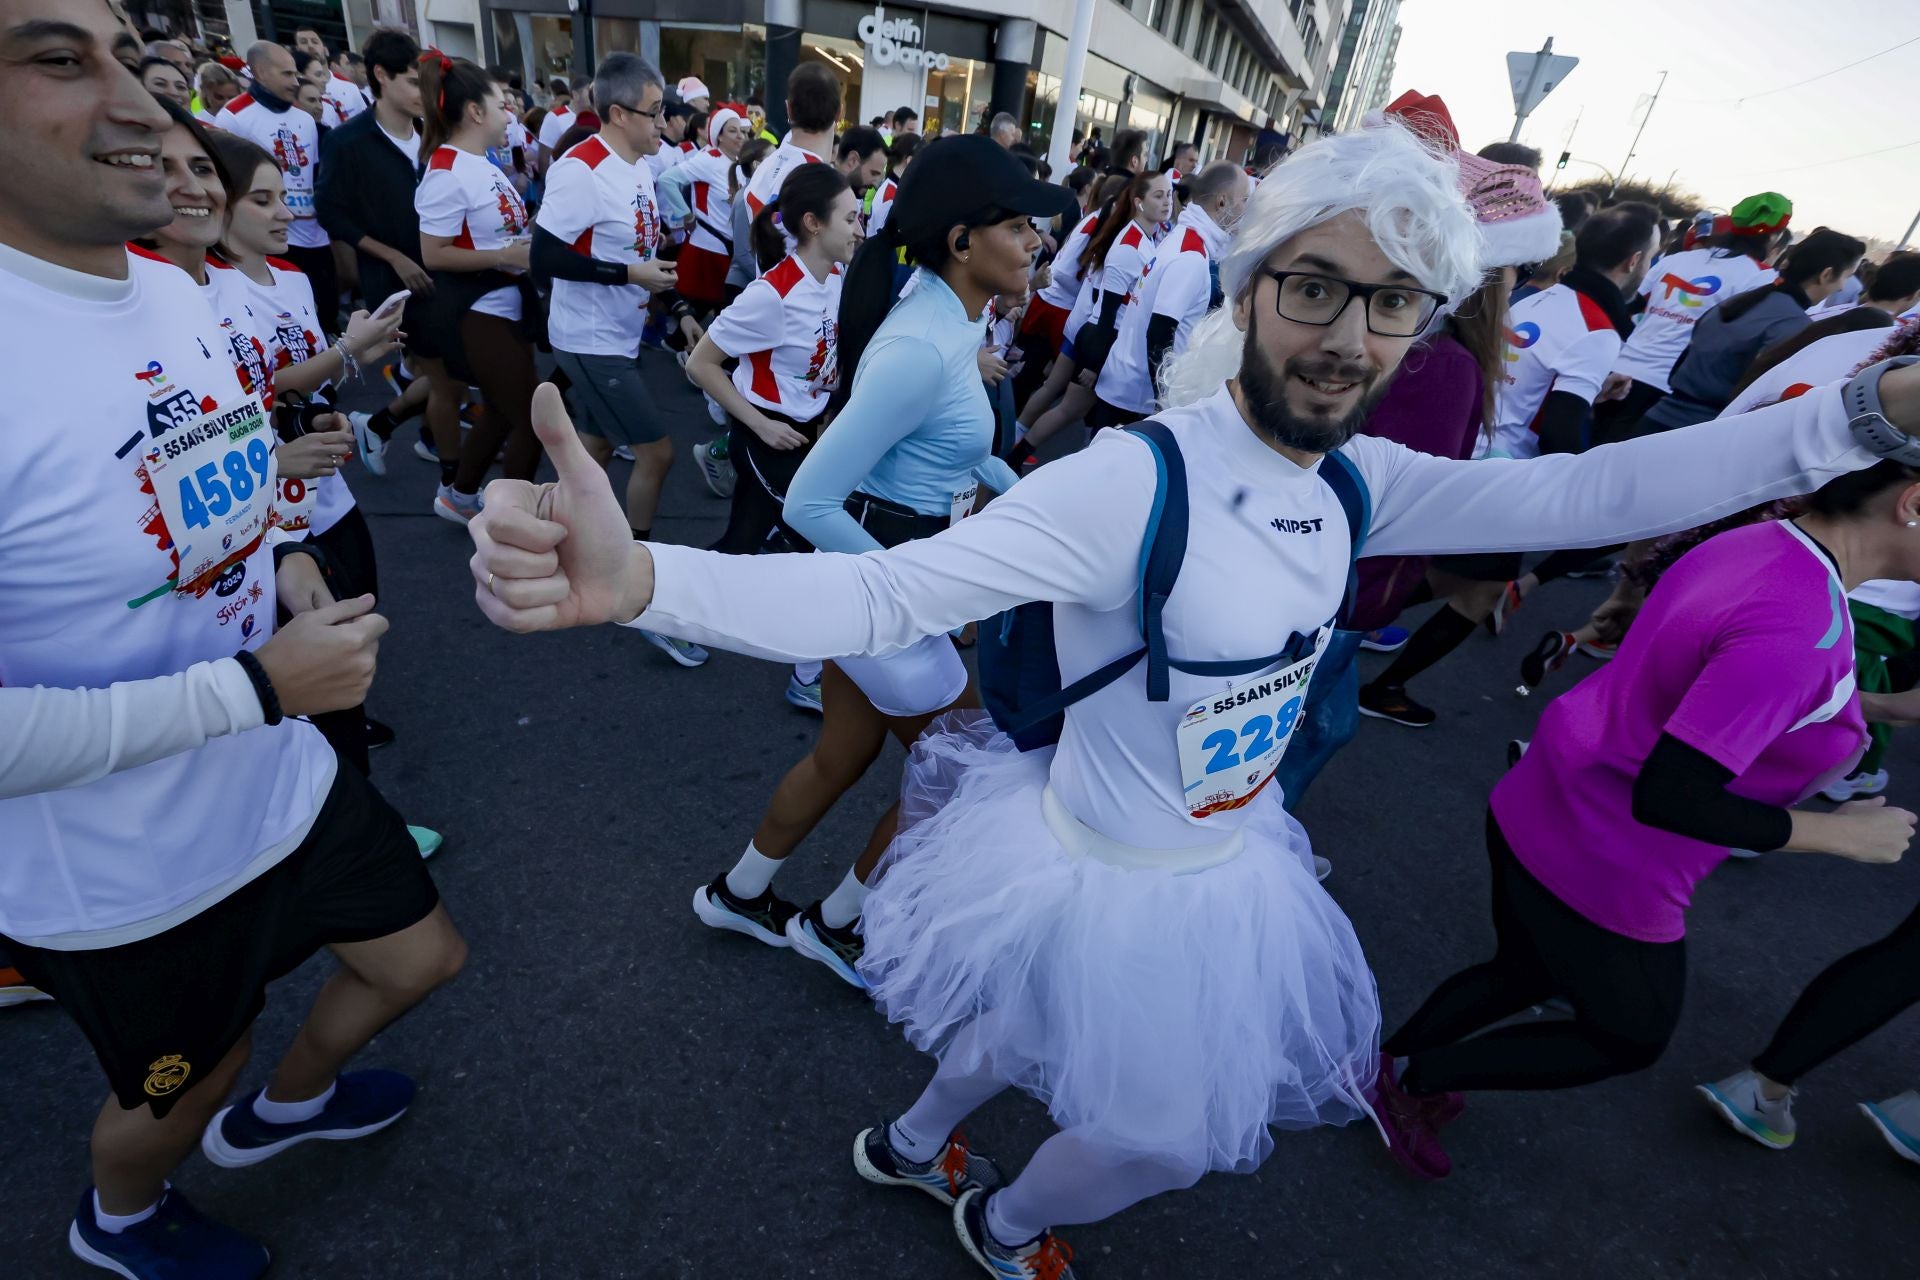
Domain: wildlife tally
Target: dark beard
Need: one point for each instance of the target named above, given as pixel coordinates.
(1263, 389)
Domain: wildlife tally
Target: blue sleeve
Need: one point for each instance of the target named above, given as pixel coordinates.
(671, 187)
(996, 474)
(874, 420)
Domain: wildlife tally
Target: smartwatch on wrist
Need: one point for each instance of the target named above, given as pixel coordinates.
(1869, 424)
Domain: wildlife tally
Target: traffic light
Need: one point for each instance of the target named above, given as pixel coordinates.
(1564, 157)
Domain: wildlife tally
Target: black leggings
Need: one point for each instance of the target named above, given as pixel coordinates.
(761, 476)
(502, 364)
(1856, 996)
(1625, 996)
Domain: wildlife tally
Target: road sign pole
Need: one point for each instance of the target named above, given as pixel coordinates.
(1533, 83)
(1911, 227)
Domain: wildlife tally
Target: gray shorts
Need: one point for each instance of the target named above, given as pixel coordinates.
(610, 399)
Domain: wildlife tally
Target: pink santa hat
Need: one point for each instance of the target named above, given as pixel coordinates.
(1519, 226)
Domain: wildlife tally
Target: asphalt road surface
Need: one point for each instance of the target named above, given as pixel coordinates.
(611, 1089)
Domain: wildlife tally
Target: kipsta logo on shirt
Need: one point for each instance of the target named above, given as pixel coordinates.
(1520, 337)
(1693, 293)
(1285, 524)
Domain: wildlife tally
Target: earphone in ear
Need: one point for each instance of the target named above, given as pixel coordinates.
(964, 241)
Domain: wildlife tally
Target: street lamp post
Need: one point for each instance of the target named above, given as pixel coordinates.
(1070, 77)
(1637, 132)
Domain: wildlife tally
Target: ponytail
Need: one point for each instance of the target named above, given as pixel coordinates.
(448, 86)
(811, 189)
(866, 295)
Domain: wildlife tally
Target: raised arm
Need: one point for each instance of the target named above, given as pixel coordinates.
(1620, 492)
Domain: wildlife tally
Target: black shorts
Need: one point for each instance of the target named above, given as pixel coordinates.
(1111, 415)
(162, 1012)
(1483, 566)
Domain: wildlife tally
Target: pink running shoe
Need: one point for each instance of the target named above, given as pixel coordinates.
(1406, 1123)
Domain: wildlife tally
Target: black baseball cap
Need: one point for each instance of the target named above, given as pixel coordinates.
(960, 175)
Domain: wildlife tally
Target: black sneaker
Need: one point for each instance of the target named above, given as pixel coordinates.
(838, 949)
(1046, 1257)
(947, 1176)
(1392, 702)
(1547, 657)
(379, 734)
(764, 918)
(1516, 747)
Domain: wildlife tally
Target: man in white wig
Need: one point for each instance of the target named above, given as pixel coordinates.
(1073, 921)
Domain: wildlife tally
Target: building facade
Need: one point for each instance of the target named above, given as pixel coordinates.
(1363, 73)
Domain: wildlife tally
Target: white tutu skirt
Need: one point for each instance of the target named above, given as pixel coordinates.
(1172, 1016)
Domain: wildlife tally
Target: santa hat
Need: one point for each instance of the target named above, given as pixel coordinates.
(691, 88)
(1519, 226)
(722, 117)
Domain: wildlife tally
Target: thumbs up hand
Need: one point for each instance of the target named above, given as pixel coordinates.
(551, 556)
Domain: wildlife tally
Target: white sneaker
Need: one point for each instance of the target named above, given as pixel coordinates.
(1768, 1122)
(1856, 786)
(684, 652)
(371, 448)
(1898, 1120)
(450, 504)
(623, 453)
(714, 410)
(718, 472)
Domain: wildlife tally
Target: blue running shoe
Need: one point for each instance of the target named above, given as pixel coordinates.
(1385, 640)
(1045, 1257)
(952, 1173)
(363, 1102)
(177, 1242)
(1898, 1120)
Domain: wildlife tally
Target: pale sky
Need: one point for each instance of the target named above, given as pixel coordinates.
(1796, 141)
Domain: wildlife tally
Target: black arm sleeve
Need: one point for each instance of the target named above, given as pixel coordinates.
(554, 259)
(1160, 331)
(1685, 791)
(1563, 423)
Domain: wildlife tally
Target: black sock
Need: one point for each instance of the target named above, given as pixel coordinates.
(642, 535)
(382, 424)
(448, 470)
(1437, 637)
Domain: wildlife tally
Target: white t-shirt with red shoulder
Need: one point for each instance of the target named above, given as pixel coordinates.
(341, 101)
(162, 790)
(708, 198)
(467, 199)
(669, 155)
(1126, 260)
(292, 138)
(240, 324)
(1557, 340)
(554, 127)
(784, 329)
(289, 324)
(1177, 282)
(773, 171)
(1063, 288)
(882, 205)
(603, 206)
(1679, 289)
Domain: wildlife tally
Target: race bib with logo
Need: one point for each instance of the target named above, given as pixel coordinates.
(963, 500)
(1232, 741)
(213, 480)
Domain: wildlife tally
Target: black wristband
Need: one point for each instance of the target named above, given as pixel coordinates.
(285, 549)
(262, 687)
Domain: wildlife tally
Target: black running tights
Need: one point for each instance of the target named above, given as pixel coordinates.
(1856, 996)
(1625, 996)
(502, 364)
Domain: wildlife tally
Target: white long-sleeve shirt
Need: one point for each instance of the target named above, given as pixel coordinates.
(1266, 557)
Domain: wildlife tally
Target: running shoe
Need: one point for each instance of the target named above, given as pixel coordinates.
(1740, 1104)
(177, 1241)
(805, 696)
(450, 504)
(1504, 608)
(946, 1177)
(363, 1102)
(1044, 1258)
(426, 839)
(684, 652)
(1599, 649)
(379, 734)
(716, 468)
(1406, 1122)
(423, 449)
(763, 918)
(714, 411)
(1385, 640)
(838, 949)
(15, 989)
(1321, 869)
(1898, 1120)
(398, 377)
(1547, 657)
(1516, 747)
(1392, 702)
(624, 453)
(1856, 786)
(371, 448)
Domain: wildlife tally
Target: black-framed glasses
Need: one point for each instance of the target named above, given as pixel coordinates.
(658, 109)
(1393, 310)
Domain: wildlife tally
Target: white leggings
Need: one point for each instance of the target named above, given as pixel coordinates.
(1072, 1178)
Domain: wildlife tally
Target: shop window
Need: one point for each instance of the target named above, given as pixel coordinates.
(730, 61)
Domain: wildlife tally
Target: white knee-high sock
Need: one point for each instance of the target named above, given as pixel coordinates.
(1072, 1179)
(806, 672)
(752, 874)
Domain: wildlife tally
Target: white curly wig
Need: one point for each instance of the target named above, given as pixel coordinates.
(1407, 191)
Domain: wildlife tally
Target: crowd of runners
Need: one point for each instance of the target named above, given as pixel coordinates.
(1076, 489)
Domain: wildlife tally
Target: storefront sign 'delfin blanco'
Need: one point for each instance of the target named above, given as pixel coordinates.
(891, 40)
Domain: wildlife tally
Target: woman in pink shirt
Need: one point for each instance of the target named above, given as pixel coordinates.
(1731, 701)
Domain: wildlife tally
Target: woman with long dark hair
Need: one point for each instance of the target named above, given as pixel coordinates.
(908, 453)
(475, 237)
